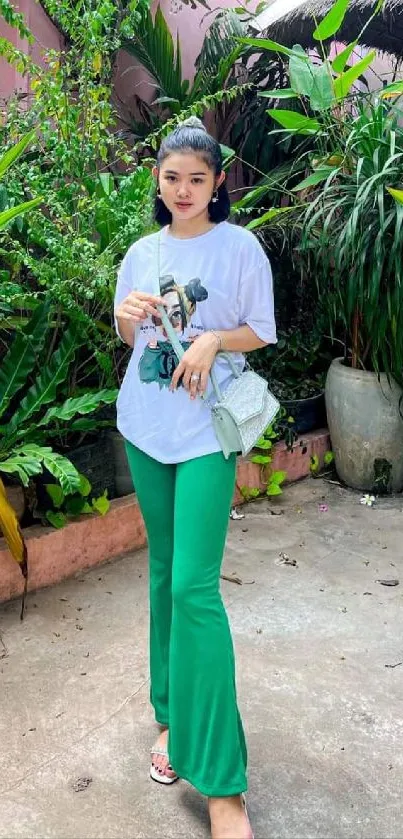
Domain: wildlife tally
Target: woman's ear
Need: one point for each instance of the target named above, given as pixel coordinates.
(155, 172)
(220, 180)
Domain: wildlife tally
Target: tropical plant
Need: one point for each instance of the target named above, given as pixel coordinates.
(27, 422)
(27, 388)
(67, 507)
(351, 224)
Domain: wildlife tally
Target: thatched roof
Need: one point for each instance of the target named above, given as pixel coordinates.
(385, 33)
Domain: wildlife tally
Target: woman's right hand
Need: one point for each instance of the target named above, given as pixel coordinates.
(138, 306)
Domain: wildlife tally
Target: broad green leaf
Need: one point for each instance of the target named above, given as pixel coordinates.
(85, 404)
(22, 356)
(75, 505)
(7, 215)
(267, 217)
(322, 92)
(293, 121)
(391, 90)
(24, 466)
(344, 83)
(56, 493)
(278, 477)
(273, 489)
(314, 467)
(60, 467)
(328, 458)
(396, 193)
(301, 74)
(332, 22)
(44, 389)
(85, 486)
(261, 459)
(317, 177)
(57, 520)
(267, 44)
(10, 156)
(284, 93)
(101, 504)
(339, 63)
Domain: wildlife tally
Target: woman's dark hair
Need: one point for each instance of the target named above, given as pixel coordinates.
(191, 135)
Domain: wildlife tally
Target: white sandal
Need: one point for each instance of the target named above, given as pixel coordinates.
(154, 774)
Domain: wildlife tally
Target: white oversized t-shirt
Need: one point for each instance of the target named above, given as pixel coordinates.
(218, 280)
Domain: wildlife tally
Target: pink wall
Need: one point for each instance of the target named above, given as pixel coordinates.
(46, 37)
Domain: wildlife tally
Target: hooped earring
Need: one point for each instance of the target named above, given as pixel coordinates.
(158, 192)
(215, 197)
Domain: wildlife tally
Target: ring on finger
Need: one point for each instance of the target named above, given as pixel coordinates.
(195, 377)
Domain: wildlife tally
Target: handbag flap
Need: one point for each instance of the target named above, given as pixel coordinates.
(245, 397)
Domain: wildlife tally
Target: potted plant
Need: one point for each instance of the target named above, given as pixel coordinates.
(351, 223)
(295, 371)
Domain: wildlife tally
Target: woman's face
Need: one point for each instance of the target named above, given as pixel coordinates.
(187, 184)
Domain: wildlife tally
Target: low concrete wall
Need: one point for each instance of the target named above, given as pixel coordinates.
(54, 555)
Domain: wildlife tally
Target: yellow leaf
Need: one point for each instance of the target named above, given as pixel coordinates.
(14, 538)
(396, 193)
(97, 63)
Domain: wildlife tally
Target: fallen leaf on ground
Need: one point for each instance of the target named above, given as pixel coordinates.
(388, 582)
(81, 783)
(286, 560)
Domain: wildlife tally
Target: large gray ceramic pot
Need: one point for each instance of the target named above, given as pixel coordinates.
(366, 428)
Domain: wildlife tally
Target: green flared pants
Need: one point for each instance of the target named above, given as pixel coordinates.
(186, 510)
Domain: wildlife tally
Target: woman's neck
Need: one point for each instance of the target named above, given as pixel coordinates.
(187, 228)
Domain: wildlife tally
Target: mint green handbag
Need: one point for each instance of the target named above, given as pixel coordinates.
(244, 410)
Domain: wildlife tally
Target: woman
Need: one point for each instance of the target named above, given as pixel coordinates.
(216, 285)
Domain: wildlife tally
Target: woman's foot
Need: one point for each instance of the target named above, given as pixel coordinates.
(160, 762)
(229, 819)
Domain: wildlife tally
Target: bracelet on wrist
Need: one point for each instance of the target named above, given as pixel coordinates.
(219, 339)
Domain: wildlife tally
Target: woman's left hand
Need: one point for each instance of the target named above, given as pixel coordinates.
(196, 364)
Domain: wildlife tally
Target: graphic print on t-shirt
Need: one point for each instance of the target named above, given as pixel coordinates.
(159, 361)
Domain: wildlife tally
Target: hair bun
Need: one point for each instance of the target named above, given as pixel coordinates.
(193, 122)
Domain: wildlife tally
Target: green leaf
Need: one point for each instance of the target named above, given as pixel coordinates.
(101, 504)
(44, 389)
(56, 494)
(317, 177)
(314, 467)
(75, 505)
(59, 466)
(85, 404)
(267, 44)
(301, 74)
(293, 121)
(391, 90)
(273, 489)
(339, 63)
(322, 93)
(278, 477)
(332, 22)
(269, 216)
(7, 215)
(396, 193)
(21, 358)
(25, 466)
(85, 486)
(261, 459)
(328, 458)
(344, 83)
(58, 520)
(284, 93)
(12, 155)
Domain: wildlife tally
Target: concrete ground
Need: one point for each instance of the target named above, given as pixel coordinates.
(320, 676)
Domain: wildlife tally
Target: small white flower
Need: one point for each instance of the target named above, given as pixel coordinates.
(368, 500)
